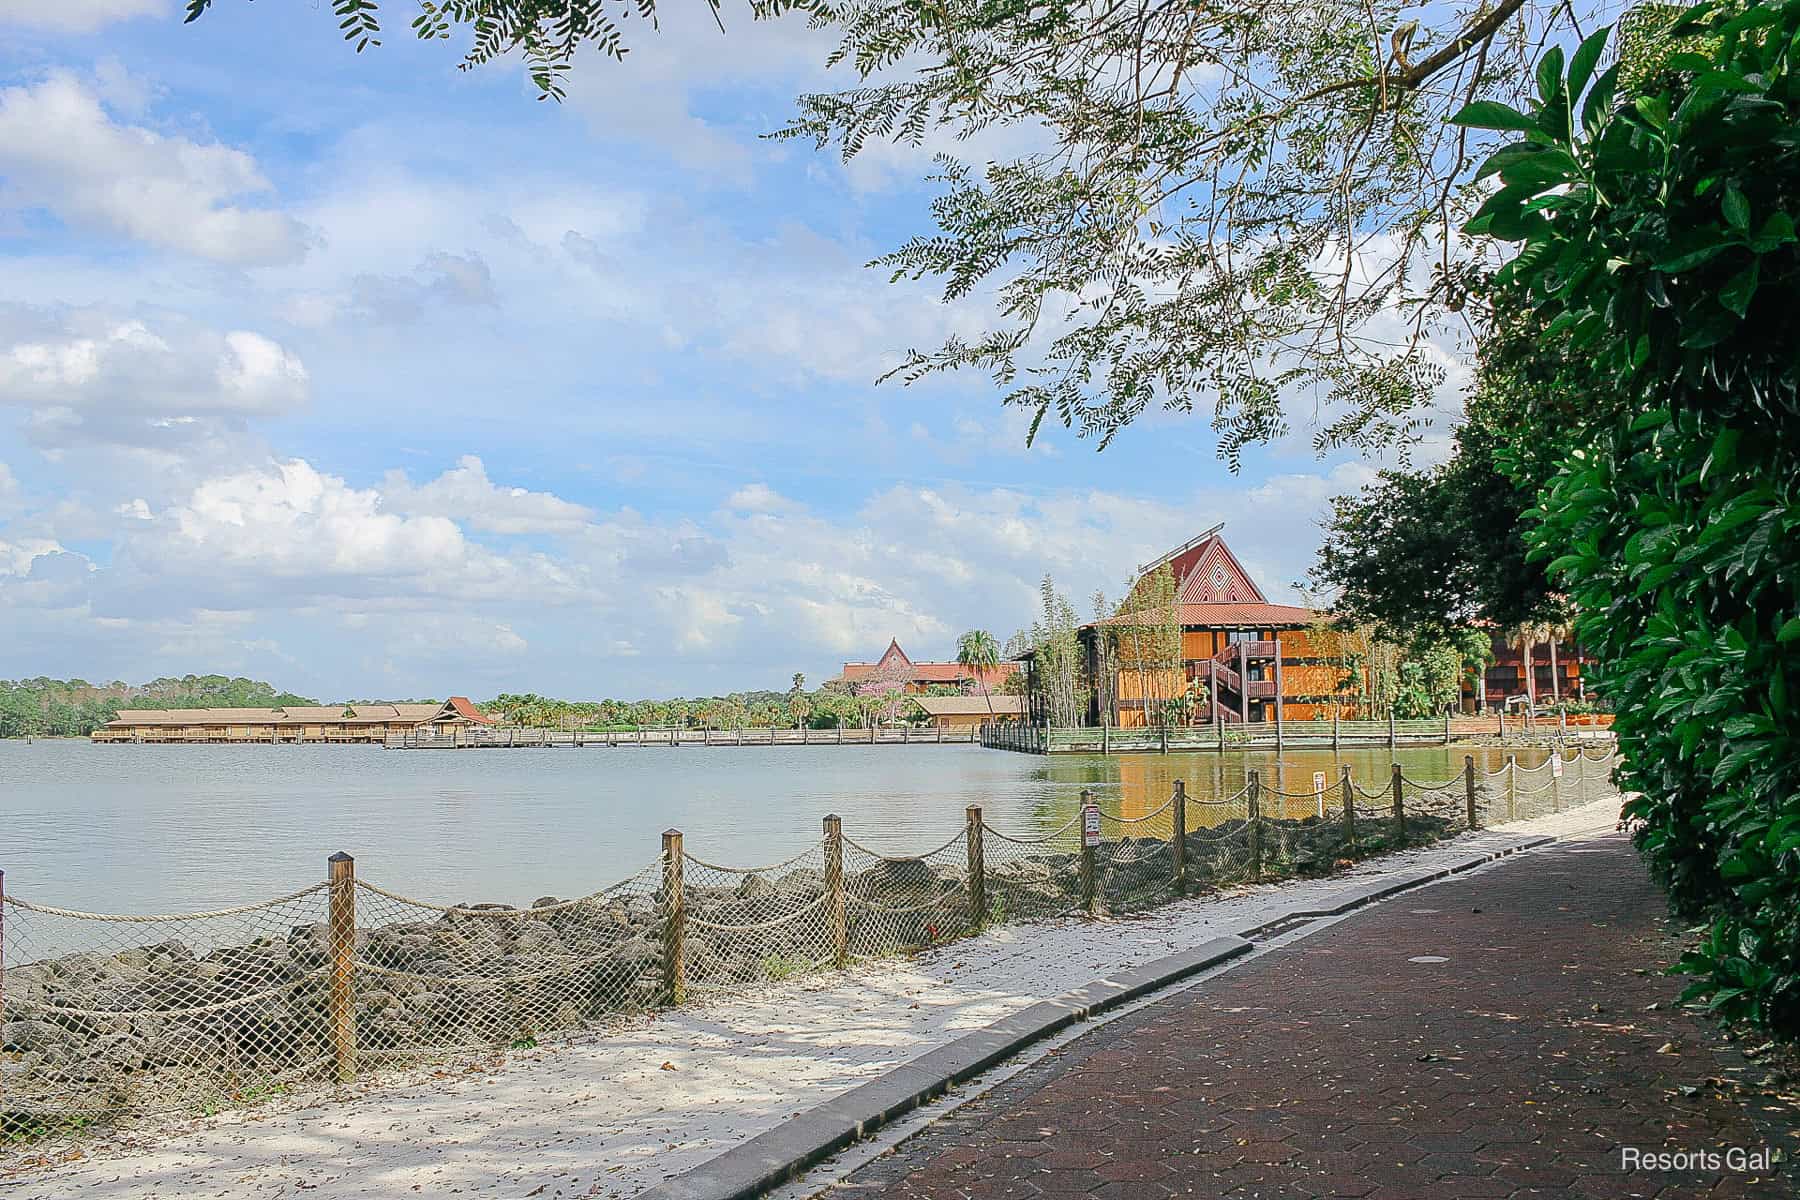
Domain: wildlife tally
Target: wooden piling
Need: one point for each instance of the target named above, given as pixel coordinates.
(1178, 836)
(834, 891)
(978, 909)
(1254, 817)
(340, 932)
(1399, 811)
(1469, 789)
(674, 920)
(1349, 792)
(1512, 784)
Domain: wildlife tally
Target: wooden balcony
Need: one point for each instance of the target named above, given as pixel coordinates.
(1261, 689)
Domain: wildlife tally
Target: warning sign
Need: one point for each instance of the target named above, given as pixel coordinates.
(1090, 825)
(1556, 765)
(1319, 782)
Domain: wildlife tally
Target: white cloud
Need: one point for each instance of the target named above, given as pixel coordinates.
(465, 493)
(16, 557)
(93, 376)
(76, 16)
(61, 150)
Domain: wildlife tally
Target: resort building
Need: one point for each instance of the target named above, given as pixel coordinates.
(1240, 657)
(895, 669)
(294, 723)
(967, 712)
(1556, 674)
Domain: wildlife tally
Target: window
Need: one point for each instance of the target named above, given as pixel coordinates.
(1241, 635)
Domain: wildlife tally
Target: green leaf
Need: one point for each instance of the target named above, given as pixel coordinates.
(1736, 208)
(1736, 295)
(1550, 73)
(1491, 114)
(1584, 60)
(1597, 108)
(1790, 630)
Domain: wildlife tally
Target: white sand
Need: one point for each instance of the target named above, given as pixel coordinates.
(602, 1117)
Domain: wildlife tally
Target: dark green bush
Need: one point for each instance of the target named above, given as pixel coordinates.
(1657, 231)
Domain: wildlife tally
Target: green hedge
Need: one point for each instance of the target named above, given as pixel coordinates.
(1657, 229)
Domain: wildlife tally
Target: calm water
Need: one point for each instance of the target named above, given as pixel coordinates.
(165, 828)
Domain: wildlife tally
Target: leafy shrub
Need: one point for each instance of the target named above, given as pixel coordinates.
(1657, 233)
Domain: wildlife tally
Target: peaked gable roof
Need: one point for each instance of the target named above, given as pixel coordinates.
(893, 656)
(1207, 572)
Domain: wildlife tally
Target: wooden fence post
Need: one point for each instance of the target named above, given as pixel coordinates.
(1164, 728)
(1399, 811)
(1089, 880)
(1219, 731)
(340, 933)
(1469, 789)
(1501, 717)
(1391, 742)
(1254, 816)
(1555, 783)
(1178, 840)
(978, 907)
(1349, 807)
(1512, 784)
(1334, 729)
(834, 890)
(1446, 727)
(674, 920)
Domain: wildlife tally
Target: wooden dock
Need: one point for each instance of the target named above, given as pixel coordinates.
(546, 739)
(1281, 735)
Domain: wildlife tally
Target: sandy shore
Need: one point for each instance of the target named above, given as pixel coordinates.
(609, 1115)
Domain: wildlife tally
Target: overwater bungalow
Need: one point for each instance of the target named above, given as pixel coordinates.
(339, 723)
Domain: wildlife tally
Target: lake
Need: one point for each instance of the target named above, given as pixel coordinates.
(127, 828)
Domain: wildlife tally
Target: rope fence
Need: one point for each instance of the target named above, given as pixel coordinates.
(106, 1017)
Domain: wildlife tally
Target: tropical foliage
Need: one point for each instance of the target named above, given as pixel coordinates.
(1655, 231)
(45, 707)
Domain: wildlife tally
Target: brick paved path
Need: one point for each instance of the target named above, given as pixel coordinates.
(1340, 1066)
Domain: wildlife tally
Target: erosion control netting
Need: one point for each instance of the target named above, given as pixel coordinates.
(186, 1012)
(107, 1016)
(431, 980)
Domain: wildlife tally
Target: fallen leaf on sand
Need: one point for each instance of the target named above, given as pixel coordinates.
(668, 1066)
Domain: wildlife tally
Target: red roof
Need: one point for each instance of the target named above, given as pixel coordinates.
(1229, 615)
(895, 663)
(461, 706)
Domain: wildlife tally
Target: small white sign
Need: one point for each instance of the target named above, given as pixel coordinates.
(1090, 825)
(1556, 765)
(1319, 790)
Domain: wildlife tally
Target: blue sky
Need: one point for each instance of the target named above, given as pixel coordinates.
(372, 377)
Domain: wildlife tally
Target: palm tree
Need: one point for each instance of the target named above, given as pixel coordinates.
(977, 651)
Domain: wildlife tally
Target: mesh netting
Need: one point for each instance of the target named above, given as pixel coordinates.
(430, 980)
(108, 1015)
(907, 902)
(1029, 878)
(184, 1012)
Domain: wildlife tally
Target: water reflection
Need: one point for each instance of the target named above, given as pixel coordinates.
(163, 828)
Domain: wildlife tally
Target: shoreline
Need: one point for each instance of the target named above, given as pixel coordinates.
(617, 1112)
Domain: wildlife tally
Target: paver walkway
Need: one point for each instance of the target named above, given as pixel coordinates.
(1492, 1036)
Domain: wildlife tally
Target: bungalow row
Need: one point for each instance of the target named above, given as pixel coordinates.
(336, 723)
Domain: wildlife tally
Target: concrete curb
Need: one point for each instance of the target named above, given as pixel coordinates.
(778, 1155)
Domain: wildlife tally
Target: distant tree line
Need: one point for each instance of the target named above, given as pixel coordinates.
(44, 707)
(832, 706)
